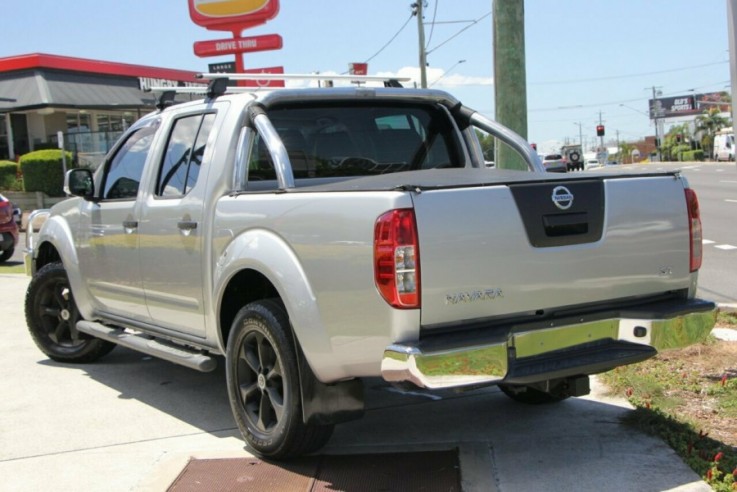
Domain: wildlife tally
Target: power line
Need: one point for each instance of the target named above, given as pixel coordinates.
(473, 23)
(390, 41)
(612, 103)
(614, 77)
(432, 24)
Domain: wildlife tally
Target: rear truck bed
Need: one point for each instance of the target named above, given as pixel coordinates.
(547, 277)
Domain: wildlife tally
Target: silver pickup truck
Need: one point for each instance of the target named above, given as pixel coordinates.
(310, 238)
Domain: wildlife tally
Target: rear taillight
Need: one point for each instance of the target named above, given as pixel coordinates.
(396, 258)
(694, 228)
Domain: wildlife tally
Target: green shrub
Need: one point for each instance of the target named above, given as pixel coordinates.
(8, 174)
(43, 171)
(693, 155)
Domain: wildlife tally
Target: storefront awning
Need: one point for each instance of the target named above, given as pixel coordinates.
(36, 89)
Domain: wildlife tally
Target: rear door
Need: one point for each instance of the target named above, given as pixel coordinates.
(172, 226)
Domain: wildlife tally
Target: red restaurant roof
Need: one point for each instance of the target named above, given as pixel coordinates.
(43, 60)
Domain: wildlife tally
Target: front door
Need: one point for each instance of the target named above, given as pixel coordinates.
(109, 236)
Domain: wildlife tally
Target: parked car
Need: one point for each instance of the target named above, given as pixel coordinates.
(8, 229)
(592, 163)
(554, 163)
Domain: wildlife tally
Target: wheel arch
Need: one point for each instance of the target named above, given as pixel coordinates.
(56, 243)
(260, 265)
(271, 270)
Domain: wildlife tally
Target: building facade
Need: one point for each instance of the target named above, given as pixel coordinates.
(88, 102)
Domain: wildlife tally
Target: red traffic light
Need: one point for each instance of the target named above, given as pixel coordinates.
(599, 130)
(534, 146)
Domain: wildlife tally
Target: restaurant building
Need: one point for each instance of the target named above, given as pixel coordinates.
(90, 102)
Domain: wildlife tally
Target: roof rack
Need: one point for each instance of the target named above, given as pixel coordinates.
(300, 76)
(218, 83)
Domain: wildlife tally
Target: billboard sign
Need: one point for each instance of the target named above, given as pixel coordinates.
(232, 15)
(688, 105)
(217, 47)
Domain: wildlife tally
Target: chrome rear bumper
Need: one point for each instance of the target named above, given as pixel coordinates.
(532, 353)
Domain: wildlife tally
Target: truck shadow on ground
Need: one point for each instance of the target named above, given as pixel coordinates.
(544, 447)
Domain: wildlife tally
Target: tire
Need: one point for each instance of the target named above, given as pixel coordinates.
(51, 315)
(531, 396)
(5, 255)
(263, 384)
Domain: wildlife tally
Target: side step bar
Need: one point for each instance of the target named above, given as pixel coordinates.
(192, 358)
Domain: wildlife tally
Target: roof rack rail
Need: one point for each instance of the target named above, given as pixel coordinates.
(388, 81)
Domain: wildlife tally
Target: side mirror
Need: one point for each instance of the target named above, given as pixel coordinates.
(79, 182)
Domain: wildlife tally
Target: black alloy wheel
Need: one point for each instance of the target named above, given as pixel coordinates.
(52, 316)
(263, 384)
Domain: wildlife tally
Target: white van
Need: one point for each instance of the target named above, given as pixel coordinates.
(724, 145)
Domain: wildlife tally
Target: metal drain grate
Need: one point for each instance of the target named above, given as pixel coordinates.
(420, 471)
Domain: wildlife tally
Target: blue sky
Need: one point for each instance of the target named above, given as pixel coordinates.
(583, 56)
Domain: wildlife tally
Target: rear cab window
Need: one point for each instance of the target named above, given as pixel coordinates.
(351, 139)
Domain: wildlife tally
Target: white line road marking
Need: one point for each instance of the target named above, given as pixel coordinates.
(706, 241)
(726, 247)
(730, 201)
(726, 181)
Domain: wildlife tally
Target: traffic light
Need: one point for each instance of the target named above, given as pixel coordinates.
(599, 130)
(534, 146)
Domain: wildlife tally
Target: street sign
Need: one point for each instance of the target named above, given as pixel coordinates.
(217, 47)
(222, 67)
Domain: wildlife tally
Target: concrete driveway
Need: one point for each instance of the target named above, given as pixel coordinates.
(130, 422)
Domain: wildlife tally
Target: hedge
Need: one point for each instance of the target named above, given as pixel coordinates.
(8, 174)
(43, 171)
(693, 155)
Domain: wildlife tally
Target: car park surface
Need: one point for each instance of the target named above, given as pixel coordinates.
(133, 422)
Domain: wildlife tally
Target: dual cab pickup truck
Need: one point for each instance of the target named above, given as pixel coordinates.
(309, 238)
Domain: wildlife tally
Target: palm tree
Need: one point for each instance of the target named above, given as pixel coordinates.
(710, 122)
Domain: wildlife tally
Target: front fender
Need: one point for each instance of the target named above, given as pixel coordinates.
(57, 232)
(268, 254)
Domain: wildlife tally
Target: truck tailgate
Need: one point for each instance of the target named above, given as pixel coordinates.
(507, 249)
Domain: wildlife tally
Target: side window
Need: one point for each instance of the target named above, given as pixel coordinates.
(260, 166)
(123, 174)
(182, 160)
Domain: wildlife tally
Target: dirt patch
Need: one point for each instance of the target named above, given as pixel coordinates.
(710, 364)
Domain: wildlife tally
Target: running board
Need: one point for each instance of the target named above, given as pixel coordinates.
(194, 359)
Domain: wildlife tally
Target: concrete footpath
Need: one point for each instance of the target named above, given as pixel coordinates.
(130, 423)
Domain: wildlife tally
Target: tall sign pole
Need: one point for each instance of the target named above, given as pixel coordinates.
(235, 17)
(510, 79)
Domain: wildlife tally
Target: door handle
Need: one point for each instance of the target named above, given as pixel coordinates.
(187, 225)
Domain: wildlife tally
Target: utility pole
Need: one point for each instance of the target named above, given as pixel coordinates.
(732, 31)
(655, 112)
(510, 81)
(580, 135)
(418, 5)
